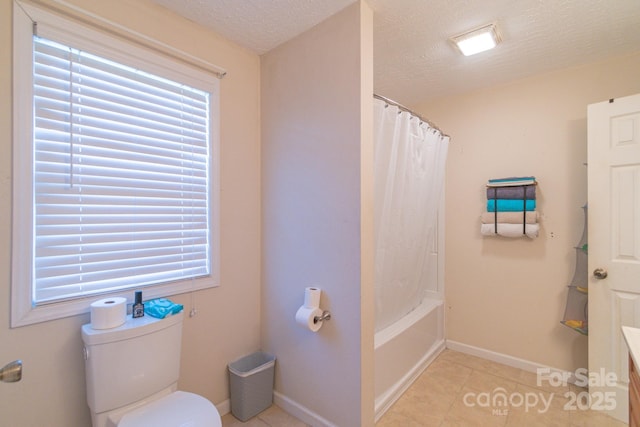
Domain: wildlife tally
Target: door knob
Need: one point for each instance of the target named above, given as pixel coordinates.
(600, 273)
(11, 372)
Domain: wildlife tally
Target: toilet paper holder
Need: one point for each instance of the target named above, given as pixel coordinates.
(325, 316)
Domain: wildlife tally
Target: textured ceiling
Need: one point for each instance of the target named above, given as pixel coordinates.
(413, 60)
(259, 25)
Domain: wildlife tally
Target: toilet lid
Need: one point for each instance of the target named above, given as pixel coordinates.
(177, 409)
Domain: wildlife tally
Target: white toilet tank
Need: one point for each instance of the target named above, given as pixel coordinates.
(131, 362)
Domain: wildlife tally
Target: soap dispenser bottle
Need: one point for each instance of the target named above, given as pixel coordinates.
(138, 306)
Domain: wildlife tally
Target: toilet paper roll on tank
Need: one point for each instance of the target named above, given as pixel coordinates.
(108, 313)
(307, 313)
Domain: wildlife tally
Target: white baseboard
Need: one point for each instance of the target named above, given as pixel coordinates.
(514, 362)
(299, 411)
(288, 405)
(224, 407)
(384, 402)
(389, 397)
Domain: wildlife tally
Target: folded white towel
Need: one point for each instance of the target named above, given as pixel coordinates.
(509, 217)
(510, 230)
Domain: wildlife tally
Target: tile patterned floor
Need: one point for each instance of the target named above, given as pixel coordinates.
(437, 398)
(272, 417)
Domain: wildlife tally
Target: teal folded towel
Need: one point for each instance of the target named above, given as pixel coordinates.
(510, 205)
(161, 308)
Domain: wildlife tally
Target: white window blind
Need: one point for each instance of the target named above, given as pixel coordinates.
(121, 176)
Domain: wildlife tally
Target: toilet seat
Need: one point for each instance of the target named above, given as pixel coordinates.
(176, 409)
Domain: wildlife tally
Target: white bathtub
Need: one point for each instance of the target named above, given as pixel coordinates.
(404, 349)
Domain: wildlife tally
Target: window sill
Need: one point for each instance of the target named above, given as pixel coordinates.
(30, 315)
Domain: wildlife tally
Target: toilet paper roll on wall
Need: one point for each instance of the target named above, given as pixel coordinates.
(108, 313)
(312, 297)
(305, 318)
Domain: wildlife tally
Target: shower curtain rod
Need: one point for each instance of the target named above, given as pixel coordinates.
(413, 113)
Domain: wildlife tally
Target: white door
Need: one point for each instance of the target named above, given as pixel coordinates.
(614, 246)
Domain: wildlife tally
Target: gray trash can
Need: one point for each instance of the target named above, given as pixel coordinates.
(251, 384)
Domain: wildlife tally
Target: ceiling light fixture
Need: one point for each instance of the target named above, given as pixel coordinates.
(478, 40)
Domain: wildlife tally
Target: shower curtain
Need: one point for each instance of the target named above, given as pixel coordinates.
(409, 178)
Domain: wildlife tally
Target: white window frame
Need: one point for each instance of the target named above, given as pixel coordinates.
(72, 32)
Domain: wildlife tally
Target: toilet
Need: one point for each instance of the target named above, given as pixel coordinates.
(132, 375)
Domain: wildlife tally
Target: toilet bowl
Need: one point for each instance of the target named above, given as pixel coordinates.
(132, 374)
(176, 409)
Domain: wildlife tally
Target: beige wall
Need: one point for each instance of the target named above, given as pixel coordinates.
(508, 295)
(502, 295)
(316, 183)
(52, 391)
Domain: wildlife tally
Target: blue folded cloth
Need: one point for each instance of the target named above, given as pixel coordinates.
(161, 308)
(510, 205)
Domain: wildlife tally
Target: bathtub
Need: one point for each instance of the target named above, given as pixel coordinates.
(404, 349)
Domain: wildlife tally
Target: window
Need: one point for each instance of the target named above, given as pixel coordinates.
(115, 171)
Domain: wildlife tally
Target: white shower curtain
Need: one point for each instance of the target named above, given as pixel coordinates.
(409, 178)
